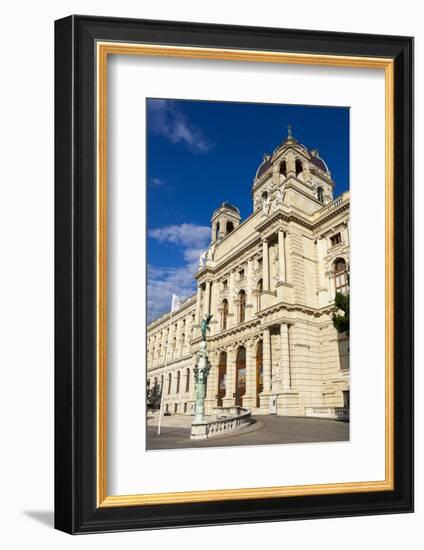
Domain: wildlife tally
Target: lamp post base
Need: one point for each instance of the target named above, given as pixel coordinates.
(199, 430)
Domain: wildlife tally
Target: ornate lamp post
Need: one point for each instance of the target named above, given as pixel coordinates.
(201, 371)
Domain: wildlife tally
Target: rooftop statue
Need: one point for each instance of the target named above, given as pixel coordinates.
(202, 260)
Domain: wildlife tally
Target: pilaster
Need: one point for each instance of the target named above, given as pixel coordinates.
(285, 357)
(265, 265)
(282, 255)
(249, 399)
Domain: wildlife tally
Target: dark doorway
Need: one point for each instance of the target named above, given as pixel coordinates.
(259, 371)
(240, 376)
(222, 377)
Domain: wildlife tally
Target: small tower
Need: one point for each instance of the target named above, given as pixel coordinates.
(294, 176)
(224, 220)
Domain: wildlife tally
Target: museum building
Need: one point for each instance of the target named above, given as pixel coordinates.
(270, 282)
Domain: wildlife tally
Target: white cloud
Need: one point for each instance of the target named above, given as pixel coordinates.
(186, 235)
(162, 282)
(167, 119)
(157, 182)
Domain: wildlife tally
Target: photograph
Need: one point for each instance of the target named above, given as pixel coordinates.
(233, 273)
(248, 273)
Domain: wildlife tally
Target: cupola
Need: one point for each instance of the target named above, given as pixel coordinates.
(224, 220)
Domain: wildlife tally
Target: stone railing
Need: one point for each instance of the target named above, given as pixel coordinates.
(334, 204)
(336, 413)
(228, 419)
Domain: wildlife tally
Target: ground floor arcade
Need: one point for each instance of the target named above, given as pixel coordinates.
(290, 367)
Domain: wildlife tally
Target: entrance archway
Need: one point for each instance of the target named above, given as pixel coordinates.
(240, 375)
(222, 377)
(259, 371)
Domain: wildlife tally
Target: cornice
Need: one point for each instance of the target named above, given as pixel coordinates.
(166, 316)
(275, 308)
(171, 362)
(240, 327)
(332, 213)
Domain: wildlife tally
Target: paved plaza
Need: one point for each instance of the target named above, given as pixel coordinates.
(264, 430)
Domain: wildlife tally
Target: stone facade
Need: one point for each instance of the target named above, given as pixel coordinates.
(270, 283)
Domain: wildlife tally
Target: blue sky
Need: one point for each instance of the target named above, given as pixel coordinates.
(200, 153)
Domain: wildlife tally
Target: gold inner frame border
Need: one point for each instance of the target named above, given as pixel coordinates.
(103, 50)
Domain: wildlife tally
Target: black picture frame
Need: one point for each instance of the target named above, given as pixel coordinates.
(76, 509)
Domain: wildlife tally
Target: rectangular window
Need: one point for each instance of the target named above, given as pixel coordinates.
(336, 239)
(225, 284)
(346, 399)
(241, 274)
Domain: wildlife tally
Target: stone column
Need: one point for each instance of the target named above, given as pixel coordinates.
(249, 296)
(213, 308)
(291, 165)
(265, 264)
(276, 174)
(208, 298)
(287, 249)
(266, 359)
(285, 356)
(249, 399)
(230, 318)
(230, 380)
(282, 255)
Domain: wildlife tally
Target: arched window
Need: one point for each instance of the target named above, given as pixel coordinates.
(182, 343)
(155, 386)
(230, 227)
(187, 388)
(242, 306)
(217, 231)
(320, 194)
(283, 168)
(341, 280)
(224, 315)
(178, 382)
(169, 383)
(265, 195)
(298, 167)
(161, 384)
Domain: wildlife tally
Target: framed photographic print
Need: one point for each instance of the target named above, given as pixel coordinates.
(234, 274)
